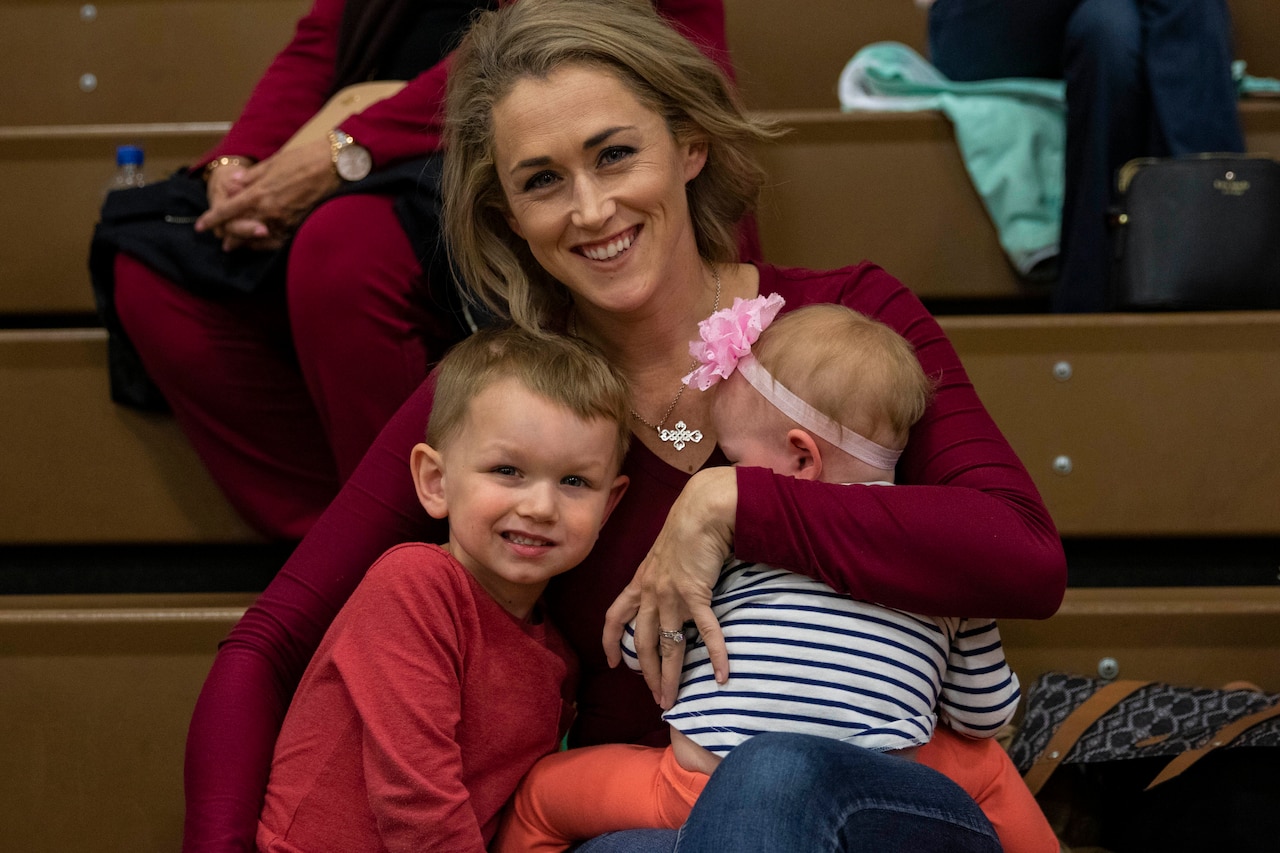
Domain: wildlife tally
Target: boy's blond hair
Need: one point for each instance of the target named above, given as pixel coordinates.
(855, 370)
(567, 371)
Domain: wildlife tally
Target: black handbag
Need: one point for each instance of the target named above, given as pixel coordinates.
(1200, 232)
(1139, 766)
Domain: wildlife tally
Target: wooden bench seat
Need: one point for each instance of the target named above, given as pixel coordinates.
(77, 468)
(1167, 421)
(885, 186)
(892, 188)
(99, 691)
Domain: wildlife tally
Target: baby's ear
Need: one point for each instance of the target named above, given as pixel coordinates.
(427, 468)
(804, 455)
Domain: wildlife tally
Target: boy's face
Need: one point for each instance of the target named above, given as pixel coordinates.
(526, 485)
(747, 428)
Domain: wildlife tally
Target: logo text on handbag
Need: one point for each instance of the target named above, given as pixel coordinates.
(1228, 185)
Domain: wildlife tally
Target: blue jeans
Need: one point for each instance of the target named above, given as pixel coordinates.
(786, 793)
(1144, 78)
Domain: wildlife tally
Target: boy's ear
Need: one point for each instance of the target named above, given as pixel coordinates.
(616, 491)
(428, 479)
(804, 455)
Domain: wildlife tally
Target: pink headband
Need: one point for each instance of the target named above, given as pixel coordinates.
(727, 336)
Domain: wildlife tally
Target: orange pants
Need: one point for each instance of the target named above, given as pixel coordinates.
(579, 794)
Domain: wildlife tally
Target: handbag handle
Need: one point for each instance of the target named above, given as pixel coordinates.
(1109, 696)
(1073, 728)
(1221, 737)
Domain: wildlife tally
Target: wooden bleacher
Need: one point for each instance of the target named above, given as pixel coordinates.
(1167, 420)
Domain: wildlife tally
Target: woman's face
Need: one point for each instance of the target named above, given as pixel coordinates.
(595, 184)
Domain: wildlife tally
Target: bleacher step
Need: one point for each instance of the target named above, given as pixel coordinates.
(99, 691)
(1130, 424)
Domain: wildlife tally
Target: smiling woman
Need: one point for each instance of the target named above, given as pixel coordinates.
(597, 169)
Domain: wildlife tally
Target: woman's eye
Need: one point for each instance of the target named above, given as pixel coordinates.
(575, 481)
(540, 180)
(614, 154)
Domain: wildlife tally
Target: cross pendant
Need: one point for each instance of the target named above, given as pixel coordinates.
(680, 435)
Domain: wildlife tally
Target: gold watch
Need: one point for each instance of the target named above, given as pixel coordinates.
(352, 162)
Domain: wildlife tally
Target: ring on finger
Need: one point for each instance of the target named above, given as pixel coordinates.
(673, 636)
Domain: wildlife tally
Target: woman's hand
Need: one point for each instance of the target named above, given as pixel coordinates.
(674, 582)
(226, 181)
(259, 207)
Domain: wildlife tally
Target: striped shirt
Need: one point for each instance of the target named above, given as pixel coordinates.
(804, 658)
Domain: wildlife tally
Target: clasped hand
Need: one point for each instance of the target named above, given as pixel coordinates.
(673, 584)
(258, 207)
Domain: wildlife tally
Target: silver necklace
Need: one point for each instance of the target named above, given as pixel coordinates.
(680, 435)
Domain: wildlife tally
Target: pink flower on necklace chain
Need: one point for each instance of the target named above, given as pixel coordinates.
(727, 335)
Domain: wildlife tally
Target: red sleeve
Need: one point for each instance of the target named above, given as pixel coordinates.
(401, 658)
(242, 705)
(297, 83)
(964, 532)
(293, 88)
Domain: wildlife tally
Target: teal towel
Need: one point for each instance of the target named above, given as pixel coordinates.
(1249, 85)
(1010, 133)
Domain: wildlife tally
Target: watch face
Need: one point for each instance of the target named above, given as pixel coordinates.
(354, 163)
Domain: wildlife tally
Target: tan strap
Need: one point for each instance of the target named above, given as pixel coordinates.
(1073, 728)
(1222, 737)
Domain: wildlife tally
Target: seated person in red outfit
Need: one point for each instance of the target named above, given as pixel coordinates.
(442, 681)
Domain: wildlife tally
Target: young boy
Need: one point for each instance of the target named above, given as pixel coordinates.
(440, 682)
(827, 395)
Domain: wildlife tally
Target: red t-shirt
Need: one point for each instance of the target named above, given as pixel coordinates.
(422, 709)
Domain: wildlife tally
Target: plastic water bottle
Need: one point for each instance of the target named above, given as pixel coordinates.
(128, 168)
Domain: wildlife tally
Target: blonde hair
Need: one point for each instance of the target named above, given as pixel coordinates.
(665, 72)
(566, 371)
(855, 370)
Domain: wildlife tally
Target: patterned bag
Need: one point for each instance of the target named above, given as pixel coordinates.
(1136, 766)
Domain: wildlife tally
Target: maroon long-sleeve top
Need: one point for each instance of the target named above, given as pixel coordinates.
(964, 532)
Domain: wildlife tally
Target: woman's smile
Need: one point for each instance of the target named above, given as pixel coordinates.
(611, 248)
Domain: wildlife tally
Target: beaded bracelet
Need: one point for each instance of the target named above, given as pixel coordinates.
(225, 161)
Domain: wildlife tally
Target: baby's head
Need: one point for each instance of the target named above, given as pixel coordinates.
(524, 447)
(825, 393)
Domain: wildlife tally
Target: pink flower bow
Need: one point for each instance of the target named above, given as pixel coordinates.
(727, 336)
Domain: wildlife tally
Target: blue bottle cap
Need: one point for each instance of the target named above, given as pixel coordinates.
(128, 155)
